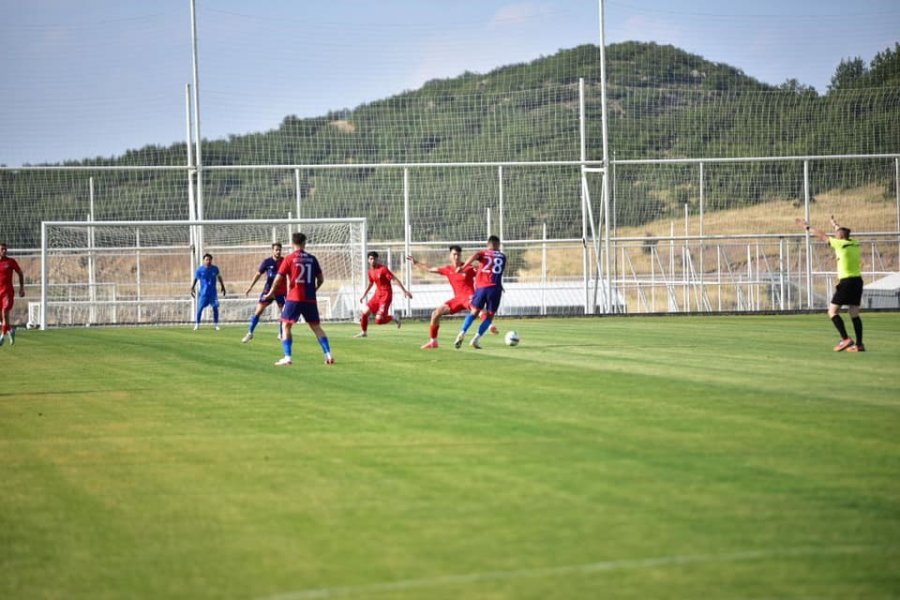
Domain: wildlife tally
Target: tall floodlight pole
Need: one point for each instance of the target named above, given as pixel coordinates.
(605, 193)
(197, 138)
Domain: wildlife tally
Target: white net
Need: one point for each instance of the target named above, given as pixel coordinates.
(109, 273)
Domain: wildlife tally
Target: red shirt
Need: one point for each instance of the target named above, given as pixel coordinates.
(463, 283)
(7, 267)
(381, 276)
(301, 270)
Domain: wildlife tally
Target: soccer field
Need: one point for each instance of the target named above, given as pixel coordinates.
(634, 457)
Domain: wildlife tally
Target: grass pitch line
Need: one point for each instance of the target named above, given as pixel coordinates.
(598, 567)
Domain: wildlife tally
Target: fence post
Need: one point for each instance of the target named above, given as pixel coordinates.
(809, 288)
(407, 232)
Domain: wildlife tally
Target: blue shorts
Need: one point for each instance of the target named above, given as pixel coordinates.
(294, 310)
(207, 300)
(263, 300)
(487, 298)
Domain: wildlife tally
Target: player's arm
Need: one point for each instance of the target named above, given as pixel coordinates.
(396, 280)
(21, 282)
(814, 231)
(320, 279)
(366, 293)
(252, 283)
(271, 293)
(422, 265)
(193, 288)
(469, 262)
(222, 284)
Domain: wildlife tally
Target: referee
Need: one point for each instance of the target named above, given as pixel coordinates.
(850, 284)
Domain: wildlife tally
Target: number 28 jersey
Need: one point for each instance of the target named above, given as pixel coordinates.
(490, 271)
(302, 271)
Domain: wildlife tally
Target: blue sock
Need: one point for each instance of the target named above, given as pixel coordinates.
(467, 322)
(254, 321)
(485, 325)
(287, 345)
(216, 315)
(323, 341)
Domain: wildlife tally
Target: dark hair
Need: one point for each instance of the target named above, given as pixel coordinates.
(456, 247)
(4, 244)
(209, 255)
(276, 245)
(298, 239)
(493, 240)
(372, 254)
(846, 232)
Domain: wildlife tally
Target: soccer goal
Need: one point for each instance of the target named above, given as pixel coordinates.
(140, 272)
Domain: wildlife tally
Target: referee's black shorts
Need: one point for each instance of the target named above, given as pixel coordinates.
(848, 292)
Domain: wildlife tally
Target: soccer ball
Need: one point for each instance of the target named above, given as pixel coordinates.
(512, 338)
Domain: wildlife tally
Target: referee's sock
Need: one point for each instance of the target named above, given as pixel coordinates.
(857, 328)
(839, 325)
(254, 321)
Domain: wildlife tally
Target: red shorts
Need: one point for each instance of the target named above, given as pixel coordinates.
(457, 305)
(380, 306)
(7, 299)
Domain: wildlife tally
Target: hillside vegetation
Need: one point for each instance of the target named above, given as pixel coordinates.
(664, 103)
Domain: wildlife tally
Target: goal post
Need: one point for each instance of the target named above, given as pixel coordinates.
(140, 272)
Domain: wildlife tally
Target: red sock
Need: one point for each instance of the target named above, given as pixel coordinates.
(364, 322)
(433, 330)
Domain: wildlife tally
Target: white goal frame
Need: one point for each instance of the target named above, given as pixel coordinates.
(195, 249)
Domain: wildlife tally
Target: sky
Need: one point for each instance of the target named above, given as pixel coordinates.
(87, 78)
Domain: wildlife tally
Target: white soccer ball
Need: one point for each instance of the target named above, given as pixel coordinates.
(512, 338)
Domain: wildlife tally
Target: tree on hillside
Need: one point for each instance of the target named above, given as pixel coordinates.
(848, 73)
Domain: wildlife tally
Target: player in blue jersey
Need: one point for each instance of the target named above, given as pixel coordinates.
(488, 289)
(304, 276)
(270, 267)
(207, 274)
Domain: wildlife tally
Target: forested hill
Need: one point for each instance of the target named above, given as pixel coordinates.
(663, 102)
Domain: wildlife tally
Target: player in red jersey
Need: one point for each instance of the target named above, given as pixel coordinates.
(463, 284)
(380, 304)
(8, 266)
(304, 276)
(488, 289)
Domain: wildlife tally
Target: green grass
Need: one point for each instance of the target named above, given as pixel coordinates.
(635, 458)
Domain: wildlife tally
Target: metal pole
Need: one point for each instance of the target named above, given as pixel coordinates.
(543, 268)
(585, 252)
(781, 273)
(298, 194)
(44, 271)
(897, 192)
(137, 260)
(604, 119)
(500, 216)
(809, 289)
(192, 174)
(407, 232)
(702, 270)
(197, 136)
(685, 272)
(92, 268)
